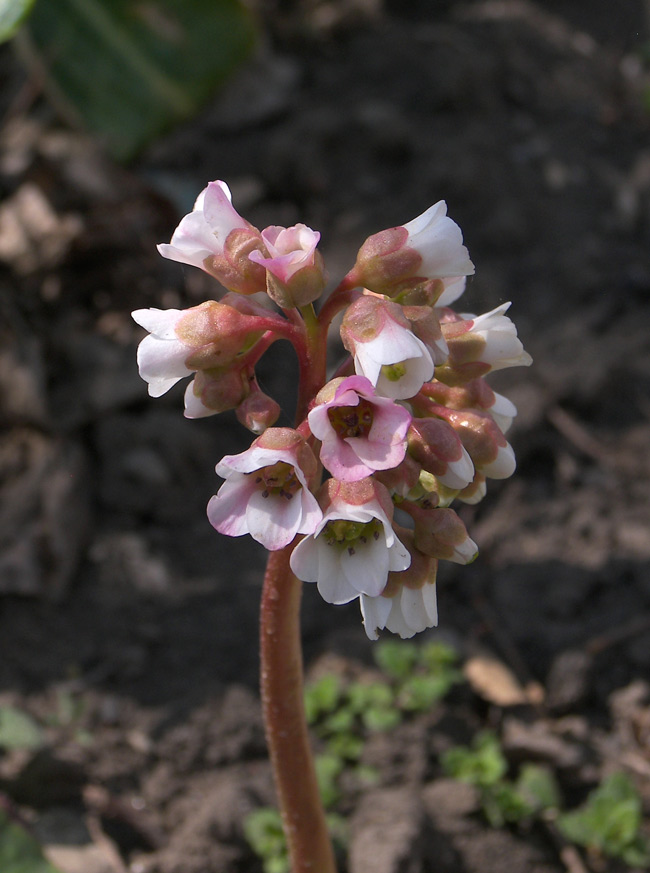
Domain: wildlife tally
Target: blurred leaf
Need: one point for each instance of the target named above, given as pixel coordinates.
(321, 697)
(18, 730)
(396, 659)
(328, 770)
(129, 69)
(538, 785)
(482, 765)
(19, 852)
(419, 693)
(610, 822)
(12, 15)
(265, 835)
(381, 718)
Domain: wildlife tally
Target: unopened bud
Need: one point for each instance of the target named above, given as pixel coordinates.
(258, 411)
(440, 533)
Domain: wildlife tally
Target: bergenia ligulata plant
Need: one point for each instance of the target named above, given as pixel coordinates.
(356, 497)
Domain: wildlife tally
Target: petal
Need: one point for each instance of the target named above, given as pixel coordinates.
(227, 509)
(366, 567)
(374, 611)
(333, 585)
(161, 363)
(194, 406)
(341, 460)
(273, 521)
(503, 466)
(161, 322)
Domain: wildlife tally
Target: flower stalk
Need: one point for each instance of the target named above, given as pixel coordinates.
(310, 848)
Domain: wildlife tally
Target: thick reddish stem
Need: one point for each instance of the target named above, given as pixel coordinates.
(310, 848)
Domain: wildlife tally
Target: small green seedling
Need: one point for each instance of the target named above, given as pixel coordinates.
(484, 766)
(264, 834)
(610, 822)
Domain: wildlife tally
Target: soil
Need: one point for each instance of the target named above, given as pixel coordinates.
(128, 626)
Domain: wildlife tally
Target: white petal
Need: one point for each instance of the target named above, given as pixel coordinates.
(161, 322)
(459, 473)
(366, 567)
(503, 466)
(273, 521)
(161, 363)
(374, 611)
(194, 407)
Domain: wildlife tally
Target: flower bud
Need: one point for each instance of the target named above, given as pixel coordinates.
(258, 411)
(486, 445)
(440, 533)
(436, 446)
(295, 273)
(216, 390)
(215, 333)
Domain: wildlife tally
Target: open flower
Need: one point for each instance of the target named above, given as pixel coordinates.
(217, 239)
(354, 546)
(385, 349)
(206, 340)
(408, 603)
(479, 344)
(360, 431)
(266, 492)
(428, 247)
(161, 355)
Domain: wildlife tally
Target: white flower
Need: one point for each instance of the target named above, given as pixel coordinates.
(503, 348)
(161, 355)
(439, 242)
(203, 232)
(396, 362)
(408, 612)
(354, 547)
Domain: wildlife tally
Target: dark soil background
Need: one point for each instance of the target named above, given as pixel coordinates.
(128, 626)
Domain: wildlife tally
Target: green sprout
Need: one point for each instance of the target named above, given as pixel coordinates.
(484, 766)
(609, 823)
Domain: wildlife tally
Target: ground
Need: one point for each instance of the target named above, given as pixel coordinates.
(128, 626)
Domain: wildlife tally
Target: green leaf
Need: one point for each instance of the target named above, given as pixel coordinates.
(321, 697)
(381, 718)
(264, 834)
(419, 693)
(435, 657)
(328, 770)
(610, 821)
(538, 785)
(397, 660)
(482, 765)
(12, 15)
(19, 852)
(129, 69)
(18, 730)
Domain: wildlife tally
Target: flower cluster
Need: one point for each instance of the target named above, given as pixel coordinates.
(360, 490)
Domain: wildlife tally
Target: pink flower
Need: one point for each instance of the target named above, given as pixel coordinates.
(290, 249)
(266, 492)
(360, 431)
(217, 239)
(295, 273)
(354, 547)
(385, 350)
